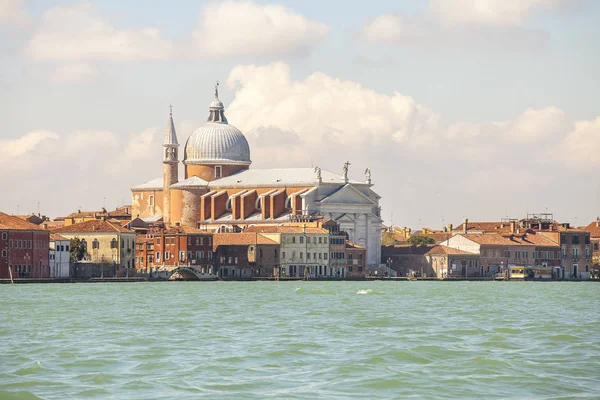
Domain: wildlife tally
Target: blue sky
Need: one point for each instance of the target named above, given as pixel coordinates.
(457, 100)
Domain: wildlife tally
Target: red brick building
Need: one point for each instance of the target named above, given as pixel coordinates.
(355, 256)
(246, 255)
(24, 249)
(174, 247)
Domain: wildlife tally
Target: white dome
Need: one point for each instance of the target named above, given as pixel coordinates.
(217, 143)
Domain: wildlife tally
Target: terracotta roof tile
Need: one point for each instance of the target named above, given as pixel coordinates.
(55, 236)
(447, 250)
(15, 223)
(593, 229)
(240, 239)
(92, 226)
(286, 229)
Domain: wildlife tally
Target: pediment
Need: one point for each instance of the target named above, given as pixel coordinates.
(345, 218)
(347, 195)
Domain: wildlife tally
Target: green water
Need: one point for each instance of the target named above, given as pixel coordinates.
(300, 340)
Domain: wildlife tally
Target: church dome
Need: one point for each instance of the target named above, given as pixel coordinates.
(216, 142)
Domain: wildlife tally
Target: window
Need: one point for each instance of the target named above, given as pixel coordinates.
(4, 235)
(67, 248)
(260, 253)
(202, 241)
(235, 260)
(320, 256)
(563, 238)
(201, 255)
(30, 244)
(158, 256)
(11, 244)
(283, 255)
(575, 252)
(151, 201)
(325, 255)
(301, 239)
(325, 240)
(307, 256)
(320, 240)
(293, 239)
(587, 239)
(360, 256)
(350, 268)
(275, 253)
(95, 244)
(182, 256)
(4, 253)
(314, 256)
(575, 239)
(315, 240)
(210, 241)
(349, 256)
(210, 255)
(167, 255)
(507, 253)
(113, 243)
(218, 171)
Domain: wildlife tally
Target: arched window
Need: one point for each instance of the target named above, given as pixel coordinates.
(4, 235)
(258, 203)
(228, 204)
(288, 202)
(114, 244)
(84, 244)
(95, 244)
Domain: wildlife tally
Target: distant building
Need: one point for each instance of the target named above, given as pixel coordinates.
(60, 256)
(222, 193)
(23, 249)
(355, 260)
(304, 251)
(245, 255)
(567, 251)
(104, 243)
(434, 261)
(122, 213)
(175, 247)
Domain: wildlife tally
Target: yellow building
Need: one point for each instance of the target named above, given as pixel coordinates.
(104, 242)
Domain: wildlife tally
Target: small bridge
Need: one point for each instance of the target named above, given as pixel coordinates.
(189, 273)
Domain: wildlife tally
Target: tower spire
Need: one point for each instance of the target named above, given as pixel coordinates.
(171, 135)
(216, 109)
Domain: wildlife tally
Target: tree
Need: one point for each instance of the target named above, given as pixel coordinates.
(420, 240)
(77, 250)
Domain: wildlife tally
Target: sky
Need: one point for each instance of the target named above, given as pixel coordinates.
(479, 109)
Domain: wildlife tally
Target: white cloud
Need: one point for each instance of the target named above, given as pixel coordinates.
(12, 12)
(580, 147)
(322, 106)
(488, 12)
(237, 28)
(78, 32)
(26, 143)
(462, 23)
(74, 73)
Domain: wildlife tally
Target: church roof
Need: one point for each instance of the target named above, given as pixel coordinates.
(216, 142)
(154, 184)
(192, 182)
(268, 177)
(170, 135)
(277, 177)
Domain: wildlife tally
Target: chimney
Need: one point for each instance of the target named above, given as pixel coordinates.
(465, 225)
(450, 227)
(512, 226)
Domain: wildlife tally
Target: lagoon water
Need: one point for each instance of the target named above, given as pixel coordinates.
(300, 340)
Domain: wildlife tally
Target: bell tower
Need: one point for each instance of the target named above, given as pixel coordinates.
(170, 167)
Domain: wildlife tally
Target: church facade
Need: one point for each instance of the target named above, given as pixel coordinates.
(222, 193)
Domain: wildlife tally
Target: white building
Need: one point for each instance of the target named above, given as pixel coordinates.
(59, 256)
(303, 250)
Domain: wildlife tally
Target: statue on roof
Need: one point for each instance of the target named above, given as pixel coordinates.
(368, 175)
(318, 174)
(345, 171)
